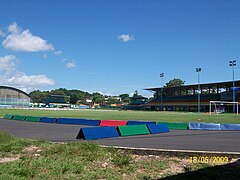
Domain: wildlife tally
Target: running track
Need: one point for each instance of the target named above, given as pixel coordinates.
(220, 141)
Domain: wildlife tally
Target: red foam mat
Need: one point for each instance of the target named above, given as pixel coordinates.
(113, 123)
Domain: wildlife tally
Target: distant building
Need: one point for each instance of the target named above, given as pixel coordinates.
(115, 105)
(13, 98)
(116, 98)
(89, 100)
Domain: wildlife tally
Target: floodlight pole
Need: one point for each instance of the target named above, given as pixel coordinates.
(233, 64)
(198, 70)
(161, 76)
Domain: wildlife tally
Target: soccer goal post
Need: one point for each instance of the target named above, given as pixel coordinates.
(220, 106)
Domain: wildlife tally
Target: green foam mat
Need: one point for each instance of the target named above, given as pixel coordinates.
(32, 119)
(175, 125)
(8, 116)
(132, 130)
(17, 117)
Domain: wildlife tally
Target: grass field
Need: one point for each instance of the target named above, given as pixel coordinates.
(31, 159)
(127, 115)
(34, 159)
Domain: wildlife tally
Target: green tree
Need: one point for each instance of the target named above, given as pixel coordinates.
(98, 98)
(174, 83)
(112, 100)
(135, 93)
(75, 95)
(38, 96)
(73, 98)
(125, 98)
(60, 91)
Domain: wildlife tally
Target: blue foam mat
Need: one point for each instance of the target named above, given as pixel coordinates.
(47, 120)
(204, 126)
(230, 127)
(157, 128)
(194, 126)
(140, 122)
(92, 133)
(210, 126)
(78, 121)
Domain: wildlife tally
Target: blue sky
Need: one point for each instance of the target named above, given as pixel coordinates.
(116, 47)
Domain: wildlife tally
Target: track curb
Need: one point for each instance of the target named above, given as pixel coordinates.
(176, 153)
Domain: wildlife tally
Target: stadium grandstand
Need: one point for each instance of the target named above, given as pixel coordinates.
(57, 101)
(185, 98)
(13, 98)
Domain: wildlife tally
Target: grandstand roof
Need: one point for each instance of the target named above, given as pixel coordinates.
(15, 89)
(226, 84)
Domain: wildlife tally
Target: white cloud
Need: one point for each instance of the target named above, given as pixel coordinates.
(58, 53)
(13, 28)
(11, 77)
(24, 41)
(70, 65)
(20, 79)
(7, 64)
(2, 33)
(126, 38)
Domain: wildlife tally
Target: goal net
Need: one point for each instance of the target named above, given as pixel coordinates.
(217, 107)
